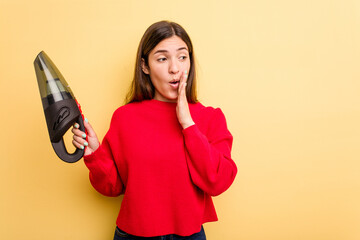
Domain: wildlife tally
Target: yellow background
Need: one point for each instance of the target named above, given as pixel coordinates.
(285, 73)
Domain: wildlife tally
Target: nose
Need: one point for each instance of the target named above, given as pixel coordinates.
(174, 67)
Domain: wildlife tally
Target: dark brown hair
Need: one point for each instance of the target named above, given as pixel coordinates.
(141, 86)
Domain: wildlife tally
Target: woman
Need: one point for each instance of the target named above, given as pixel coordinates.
(165, 151)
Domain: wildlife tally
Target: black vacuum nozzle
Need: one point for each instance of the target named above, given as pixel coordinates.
(60, 106)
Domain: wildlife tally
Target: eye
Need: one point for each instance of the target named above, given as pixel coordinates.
(161, 59)
(183, 57)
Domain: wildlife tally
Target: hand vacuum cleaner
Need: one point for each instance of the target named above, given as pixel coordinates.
(60, 106)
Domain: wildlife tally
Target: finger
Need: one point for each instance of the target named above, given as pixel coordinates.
(184, 89)
(89, 128)
(180, 84)
(186, 76)
(76, 125)
(184, 84)
(78, 132)
(182, 95)
(78, 145)
(185, 80)
(183, 77)
(80, 140)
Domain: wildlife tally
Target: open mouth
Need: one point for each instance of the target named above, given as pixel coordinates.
(175, 82)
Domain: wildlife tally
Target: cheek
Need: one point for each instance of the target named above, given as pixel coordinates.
(158, 72)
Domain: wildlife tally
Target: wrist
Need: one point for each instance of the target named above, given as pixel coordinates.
(187, 124)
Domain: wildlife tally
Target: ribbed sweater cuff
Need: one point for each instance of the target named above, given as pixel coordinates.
(190, 130)
(91, 157)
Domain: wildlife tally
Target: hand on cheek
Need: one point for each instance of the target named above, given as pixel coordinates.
(182, 108)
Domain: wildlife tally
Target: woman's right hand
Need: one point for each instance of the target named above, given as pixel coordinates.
(79, 139)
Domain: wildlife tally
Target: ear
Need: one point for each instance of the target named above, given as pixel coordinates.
(144, 68)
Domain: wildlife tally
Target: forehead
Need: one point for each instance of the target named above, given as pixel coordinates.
(170, 44)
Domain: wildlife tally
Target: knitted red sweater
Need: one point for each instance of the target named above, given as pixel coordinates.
(167, 174)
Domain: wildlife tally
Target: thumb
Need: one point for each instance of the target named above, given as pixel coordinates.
(89, 129)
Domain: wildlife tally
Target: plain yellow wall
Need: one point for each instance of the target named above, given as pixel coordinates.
(285, 73)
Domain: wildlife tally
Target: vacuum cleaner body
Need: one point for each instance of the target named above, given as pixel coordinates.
(59, 104)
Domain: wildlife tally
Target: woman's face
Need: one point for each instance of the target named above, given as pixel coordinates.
(167, 62)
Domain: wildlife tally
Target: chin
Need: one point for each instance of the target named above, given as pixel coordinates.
(171, 97)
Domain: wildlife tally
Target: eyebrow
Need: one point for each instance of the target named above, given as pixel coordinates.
(165, 51)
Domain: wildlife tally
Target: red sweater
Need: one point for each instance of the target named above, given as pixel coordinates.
(167, 174)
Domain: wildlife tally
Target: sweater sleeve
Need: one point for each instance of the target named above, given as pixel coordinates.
(209, 156)
(104, 175)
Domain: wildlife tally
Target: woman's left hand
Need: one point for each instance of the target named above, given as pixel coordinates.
(182, 108)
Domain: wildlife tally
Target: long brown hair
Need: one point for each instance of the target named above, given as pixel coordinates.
(141, 86)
